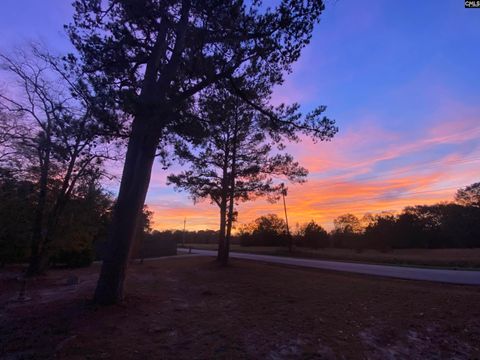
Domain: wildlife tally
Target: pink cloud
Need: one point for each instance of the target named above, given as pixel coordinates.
(344, 175)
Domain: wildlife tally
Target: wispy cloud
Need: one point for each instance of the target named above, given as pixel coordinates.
(365, 169)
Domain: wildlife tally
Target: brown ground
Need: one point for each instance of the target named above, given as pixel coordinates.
(189, 308)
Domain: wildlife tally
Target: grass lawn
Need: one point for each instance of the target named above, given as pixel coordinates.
(187, 307)
(445, 258)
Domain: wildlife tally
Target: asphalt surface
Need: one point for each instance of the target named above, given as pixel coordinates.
(462, 277)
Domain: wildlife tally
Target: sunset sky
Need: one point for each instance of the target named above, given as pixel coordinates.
(402, 80)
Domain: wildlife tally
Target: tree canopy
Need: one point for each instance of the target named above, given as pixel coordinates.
(57, 141)
(469, 195)
(150, 57)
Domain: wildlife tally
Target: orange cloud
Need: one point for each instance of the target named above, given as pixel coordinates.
(365, 169)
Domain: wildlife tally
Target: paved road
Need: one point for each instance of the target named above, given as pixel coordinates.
(464, 277)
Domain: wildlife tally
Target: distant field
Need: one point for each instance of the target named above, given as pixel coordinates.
(450, 258)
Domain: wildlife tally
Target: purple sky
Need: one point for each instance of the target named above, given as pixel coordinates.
(401, 78)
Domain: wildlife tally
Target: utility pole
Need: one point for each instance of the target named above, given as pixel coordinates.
(290, 239)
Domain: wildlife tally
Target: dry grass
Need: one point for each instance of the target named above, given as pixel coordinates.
(445, 258)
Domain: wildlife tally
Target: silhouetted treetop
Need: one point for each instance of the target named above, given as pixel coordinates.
(150, 57)
(347, 223)
(469, 195)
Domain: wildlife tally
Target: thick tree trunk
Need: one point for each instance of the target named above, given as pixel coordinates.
(35, 266)
(226, 250)
(231, 196)
(49, 233)
(45, 235)
(223, 204)
(133, 190)
(222, 233)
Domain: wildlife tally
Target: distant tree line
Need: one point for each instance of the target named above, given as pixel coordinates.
(445, 225)
(187, 237)
(81, 229)
(83, 221)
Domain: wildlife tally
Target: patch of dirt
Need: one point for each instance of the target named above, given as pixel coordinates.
(189, 308)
